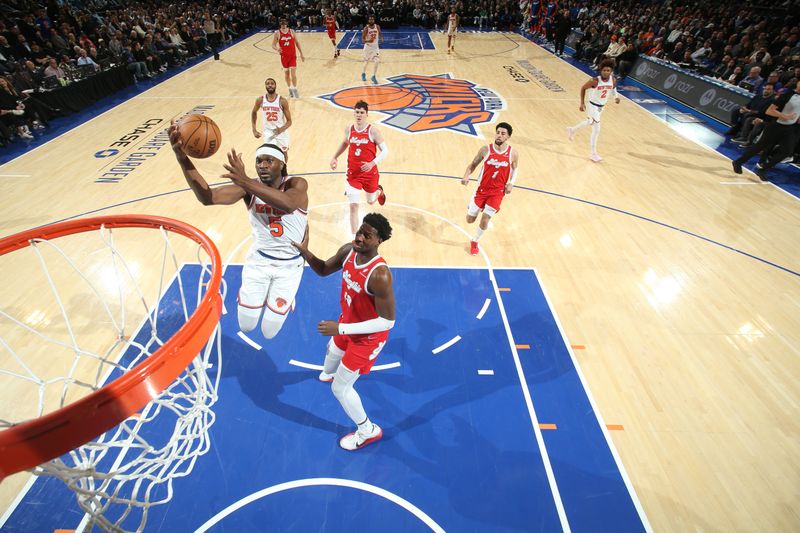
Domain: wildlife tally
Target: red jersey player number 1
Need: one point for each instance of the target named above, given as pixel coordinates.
(497, 180)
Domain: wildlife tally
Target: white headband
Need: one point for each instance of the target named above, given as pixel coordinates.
(270, 151)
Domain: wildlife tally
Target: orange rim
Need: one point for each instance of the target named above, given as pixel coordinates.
(34, 442)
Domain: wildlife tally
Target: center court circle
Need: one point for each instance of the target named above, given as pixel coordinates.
(318, 482)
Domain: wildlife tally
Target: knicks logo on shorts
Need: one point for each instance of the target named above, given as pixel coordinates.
(417, 104)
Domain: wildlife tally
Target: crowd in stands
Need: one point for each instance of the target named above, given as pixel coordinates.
(753, 46)
(50, 43)
(44, 46)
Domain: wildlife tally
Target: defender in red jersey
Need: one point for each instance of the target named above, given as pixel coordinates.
(366, 148)
(285, 41)
(367, 302)
(331, 26)
(497, 179)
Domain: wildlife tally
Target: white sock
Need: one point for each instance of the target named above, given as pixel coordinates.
(595, 135)
(366, 427)
(478, 233)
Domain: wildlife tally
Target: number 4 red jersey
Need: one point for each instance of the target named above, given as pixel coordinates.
(496, 169)
(287, 46)
(357, 303)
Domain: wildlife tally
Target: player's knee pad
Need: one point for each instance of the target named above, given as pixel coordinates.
(272, 323)
(372, 196)
(472, 210)
(343, 382)
(339, 389)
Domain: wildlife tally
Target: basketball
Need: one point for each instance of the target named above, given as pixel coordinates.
(381, 98)
(200, 136)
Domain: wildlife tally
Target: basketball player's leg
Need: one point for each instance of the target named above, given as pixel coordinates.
(474, 208)
(593, 120)
(376, 61)
(288, 78)
(357, 359)
(374, 191)
(281, 295)
(491, 205)
(593, 142)
(352, 190)
(333, 356)
(293, 73)
(572, 130)
(252, 293)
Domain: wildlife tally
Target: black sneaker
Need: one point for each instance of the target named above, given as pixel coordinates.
(737, 167)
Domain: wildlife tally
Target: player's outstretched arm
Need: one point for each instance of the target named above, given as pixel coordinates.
(513, 178)
(323, 268)
(225, 195)
(287, 114)
(342, 147)
(591, 84)
(254, 117)
(474, 164)
(294, 196)
(275, 44)
(297, 44)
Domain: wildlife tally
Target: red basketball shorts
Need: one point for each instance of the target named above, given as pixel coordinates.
(361, 354)
(289, 61)
(491, 198)
(367, 182)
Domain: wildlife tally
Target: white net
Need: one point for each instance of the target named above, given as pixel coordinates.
(82, 311)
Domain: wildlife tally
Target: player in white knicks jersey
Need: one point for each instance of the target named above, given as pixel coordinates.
(275, 115)
(602, 87)
(372, 36)
(452, 29)
(277, 205)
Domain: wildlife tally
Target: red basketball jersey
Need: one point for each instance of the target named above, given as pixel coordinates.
(496, 169)
(286, 40)
(330, 23)
(362, 150)
(357, 303)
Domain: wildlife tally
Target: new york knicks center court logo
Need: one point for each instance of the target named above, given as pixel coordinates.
(417, 104)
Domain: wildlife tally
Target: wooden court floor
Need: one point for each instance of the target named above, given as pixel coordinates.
(676, 282)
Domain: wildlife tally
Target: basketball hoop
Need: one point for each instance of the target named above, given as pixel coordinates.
(147, 415)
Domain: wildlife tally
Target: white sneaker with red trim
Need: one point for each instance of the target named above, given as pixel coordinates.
(356, 440)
